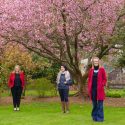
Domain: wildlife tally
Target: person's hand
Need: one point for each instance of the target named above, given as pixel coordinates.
(106, 86)
(65, 82)
(23, 90)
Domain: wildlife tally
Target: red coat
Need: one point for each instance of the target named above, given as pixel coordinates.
(101, 82)
(12, 78)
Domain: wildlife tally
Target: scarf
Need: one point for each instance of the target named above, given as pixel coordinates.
(67, 76)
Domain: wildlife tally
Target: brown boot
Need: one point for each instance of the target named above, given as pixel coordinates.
(63, 106)
(67, 107)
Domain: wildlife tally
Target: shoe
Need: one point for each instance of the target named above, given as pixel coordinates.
(14, 109)
(67, 112)
(94, 119)
(18, 109)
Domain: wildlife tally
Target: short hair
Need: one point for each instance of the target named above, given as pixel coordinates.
(65, 67)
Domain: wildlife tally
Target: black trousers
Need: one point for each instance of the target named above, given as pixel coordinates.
(64, 93)
(16, 94)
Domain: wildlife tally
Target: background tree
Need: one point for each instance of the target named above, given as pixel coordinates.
(15, 54)
(120, 46)
(64, 31)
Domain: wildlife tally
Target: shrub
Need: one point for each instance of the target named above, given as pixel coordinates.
(43, 86)
(115, 93)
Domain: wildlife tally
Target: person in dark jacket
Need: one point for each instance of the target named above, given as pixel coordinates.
(96, 81)
(16, 84)
(63, 83)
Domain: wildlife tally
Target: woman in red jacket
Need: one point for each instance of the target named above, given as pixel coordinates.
(96, 82)
(16, 83)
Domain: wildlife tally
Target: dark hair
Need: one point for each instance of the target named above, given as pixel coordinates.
(65, 67)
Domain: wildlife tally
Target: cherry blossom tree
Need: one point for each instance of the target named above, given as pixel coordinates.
(64, 31)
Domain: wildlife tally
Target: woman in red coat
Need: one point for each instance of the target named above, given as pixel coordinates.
(16, 84)
(96, 82)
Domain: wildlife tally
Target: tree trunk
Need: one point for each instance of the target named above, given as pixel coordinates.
(83, 88)
(82, 85)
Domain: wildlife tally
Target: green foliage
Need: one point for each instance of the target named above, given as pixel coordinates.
(115, 93)
(16, 54)
(53, 71)
(49, 72)
(42, 64)
(42, 86)
(121, 60)
(119, 39)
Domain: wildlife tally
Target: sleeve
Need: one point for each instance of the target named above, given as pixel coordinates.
(10, 81)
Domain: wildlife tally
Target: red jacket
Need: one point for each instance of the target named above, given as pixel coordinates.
(101, 82)
(12, 78)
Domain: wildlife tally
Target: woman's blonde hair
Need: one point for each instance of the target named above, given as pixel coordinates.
(92, 60)
(16, 67)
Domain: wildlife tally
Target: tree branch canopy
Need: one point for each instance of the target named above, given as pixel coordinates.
(64, 31)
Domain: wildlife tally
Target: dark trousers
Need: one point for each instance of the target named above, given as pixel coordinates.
(97, 111)
(64, 93)
(16, 93)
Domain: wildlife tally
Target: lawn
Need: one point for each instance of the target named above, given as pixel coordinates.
(34, 93)
(50, 114)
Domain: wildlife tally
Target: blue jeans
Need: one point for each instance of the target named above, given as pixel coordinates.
(64, 93)
(97, 111)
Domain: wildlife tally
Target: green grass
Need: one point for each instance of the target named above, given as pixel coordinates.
(50, 114)
(34, 93)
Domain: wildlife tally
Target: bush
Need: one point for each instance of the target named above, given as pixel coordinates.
(43, 86)
(115, 93)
